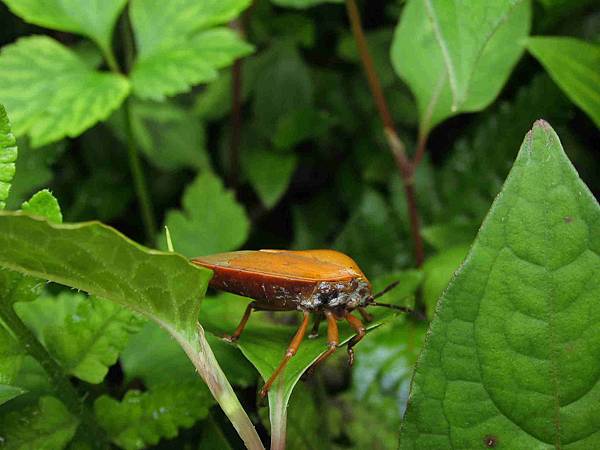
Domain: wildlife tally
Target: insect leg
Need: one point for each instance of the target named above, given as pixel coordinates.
(238, 331)
(291, 351)
(357, 325)
(332, 338)
(365, 314)
(315, 329)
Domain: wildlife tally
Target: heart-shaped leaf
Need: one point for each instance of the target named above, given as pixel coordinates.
(512, 358)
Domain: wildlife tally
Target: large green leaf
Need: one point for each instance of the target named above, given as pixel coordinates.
(8, 156)
(575, 66)
(513, 354)
(50, 93)
(175, 48)
(99, 260)
(456, 57)
(46, 426)
(143, 418)
(92, 18)
(211, 220)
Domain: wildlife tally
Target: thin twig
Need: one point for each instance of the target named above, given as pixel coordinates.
(397, 147)
(421, 147)
(139, 181)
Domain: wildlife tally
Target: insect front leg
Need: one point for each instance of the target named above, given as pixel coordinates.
(291, 351)
(333, 341)
(358, 326)
(238, 331)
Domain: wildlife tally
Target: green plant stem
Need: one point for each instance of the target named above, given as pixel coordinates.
(396, 146)
(60, 382)
(139, 181)
(111, 61)
(278, 415)
(208, 367)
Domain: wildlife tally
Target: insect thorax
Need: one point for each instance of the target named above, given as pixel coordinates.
(334, 295)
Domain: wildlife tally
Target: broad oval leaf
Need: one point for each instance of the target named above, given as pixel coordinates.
(513, 354)
(175, 48)
(8, 156)
(575, 66)
(50, 93)
(92, 18)
(455, 55)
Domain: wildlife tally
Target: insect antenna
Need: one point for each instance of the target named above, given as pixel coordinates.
(386, 289)
(404, 309)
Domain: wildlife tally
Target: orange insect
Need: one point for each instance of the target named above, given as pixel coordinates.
(324, 282)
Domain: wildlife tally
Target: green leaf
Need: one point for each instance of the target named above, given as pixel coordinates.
(456, 59)
(446, 235)
(149, 363)
(50, 93)
(168, 135)
(438, 271)
(302, 4)
(43, 204)
(387, 362)
(88, 335)
(8, 156)
(513, 354)
(101, 261)
(283, 85)
(92, 18)
(369, 236)
(575, 66)
(33, 170)
(269, 173)
(11, 358)
(466, 197)
(143, 418)
(211, 220)
(8, 392)
(299, 125)
(46, 426)
(175, 49)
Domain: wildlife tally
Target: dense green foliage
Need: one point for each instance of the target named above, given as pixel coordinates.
(256, 124)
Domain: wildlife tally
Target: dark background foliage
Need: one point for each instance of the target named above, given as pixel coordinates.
(310, 169)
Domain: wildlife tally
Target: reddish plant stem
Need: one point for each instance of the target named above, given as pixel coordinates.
(406, 167)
